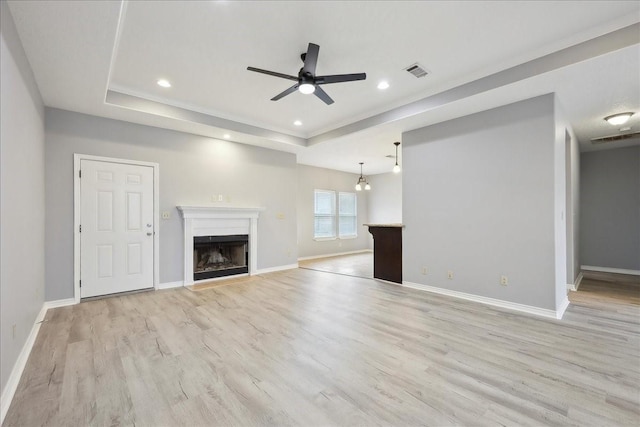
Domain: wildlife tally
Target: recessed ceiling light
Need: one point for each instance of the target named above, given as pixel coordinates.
(383, 85)
(226, 136)
(164, 83)
(297, 123)
(618, 119)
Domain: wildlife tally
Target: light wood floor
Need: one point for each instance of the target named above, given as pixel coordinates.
(309, 348)
(359, 265)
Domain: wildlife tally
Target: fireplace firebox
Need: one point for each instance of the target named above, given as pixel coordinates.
(220, 256)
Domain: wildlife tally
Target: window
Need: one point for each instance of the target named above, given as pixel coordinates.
(348, 216)
(325, 224)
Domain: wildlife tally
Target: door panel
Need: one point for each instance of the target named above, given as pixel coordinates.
(116, 241)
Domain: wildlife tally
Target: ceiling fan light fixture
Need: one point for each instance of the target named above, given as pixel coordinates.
(306, 88)
(618, 119)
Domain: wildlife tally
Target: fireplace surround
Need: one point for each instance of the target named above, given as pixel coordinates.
(217, 225)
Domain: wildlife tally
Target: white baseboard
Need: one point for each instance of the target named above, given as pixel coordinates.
(11, 386)
(563, 307)
(574, 286)
(360, 251)
(16, 373)
(278, 268)
(170, 285)
(610, 270)
(59, 303)
(486, 300)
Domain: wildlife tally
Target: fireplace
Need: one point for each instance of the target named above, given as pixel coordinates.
(216, 226)
(219, 256)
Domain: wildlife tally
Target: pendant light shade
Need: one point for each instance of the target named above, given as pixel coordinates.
(362, 180)
(396, 167)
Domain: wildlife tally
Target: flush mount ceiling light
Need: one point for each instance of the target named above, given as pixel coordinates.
(164, 83)
(226, 136)
(383, 85)
(362, 180)
(618, 119)
(297, 123)
(396, 168)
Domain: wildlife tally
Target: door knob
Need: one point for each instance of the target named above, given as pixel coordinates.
(148, 225)
(149, 234)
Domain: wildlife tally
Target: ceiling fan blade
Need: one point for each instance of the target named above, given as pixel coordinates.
(272, 73)
(286, 92)
(323, 95)
(339, 78)
(311, 59)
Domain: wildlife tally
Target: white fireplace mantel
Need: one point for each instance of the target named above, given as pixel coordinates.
(218, 221)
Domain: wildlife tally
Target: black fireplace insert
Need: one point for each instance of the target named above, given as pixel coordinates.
(220, 256)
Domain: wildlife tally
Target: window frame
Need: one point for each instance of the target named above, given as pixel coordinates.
(354, 235)
(335, 215)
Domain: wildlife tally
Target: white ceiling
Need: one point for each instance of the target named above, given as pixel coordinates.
(104, 58)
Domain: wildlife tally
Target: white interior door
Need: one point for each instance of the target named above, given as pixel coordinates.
(117, 230)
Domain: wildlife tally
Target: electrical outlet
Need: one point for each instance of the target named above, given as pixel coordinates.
(449, 274)
(424, 270)
(166, 215)
(220, 197)
(214, 198)
(504, 280)
(280, 215)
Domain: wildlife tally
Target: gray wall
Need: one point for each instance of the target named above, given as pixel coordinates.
(21, 198)
(385, 198)
(192, 169)
(573, 206)
(479, 199)
(610, 208)
(312, 178)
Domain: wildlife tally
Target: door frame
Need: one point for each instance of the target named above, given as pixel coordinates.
(77, 158)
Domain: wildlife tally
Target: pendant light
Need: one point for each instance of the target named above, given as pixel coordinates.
(396, 168)
(362, 180)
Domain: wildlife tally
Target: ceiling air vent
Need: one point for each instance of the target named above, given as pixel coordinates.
(417, 70)
(606, 139)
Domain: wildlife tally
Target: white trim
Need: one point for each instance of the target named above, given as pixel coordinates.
(563, 307)
(610, 270)
(170, 285)
(77, 213)
(59, 303)
(359, 251)
(277, 268)
(11, 386)
(486, 300)
(574, 286)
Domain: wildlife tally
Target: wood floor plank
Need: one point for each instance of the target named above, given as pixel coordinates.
(305, 347)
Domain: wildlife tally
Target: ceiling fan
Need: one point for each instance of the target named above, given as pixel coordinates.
(307, 81)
